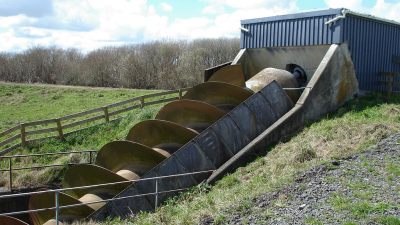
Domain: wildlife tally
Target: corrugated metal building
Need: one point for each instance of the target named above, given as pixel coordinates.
(374, 42)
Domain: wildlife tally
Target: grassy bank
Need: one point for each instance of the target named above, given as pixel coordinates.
(29, 103)
(20, 103)
(354, 126)
(88, 139)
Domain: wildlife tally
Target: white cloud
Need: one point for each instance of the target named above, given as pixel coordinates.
(349, 4)
(166, 7)
(251, 4)
(90, 24)
(381, 9)
(387, 10)
(213, 9)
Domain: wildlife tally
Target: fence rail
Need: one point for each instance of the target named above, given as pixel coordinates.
(57, 191)
(60, 128)
(10, 168)
(390, 83)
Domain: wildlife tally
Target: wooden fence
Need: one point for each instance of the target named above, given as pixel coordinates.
(59, 127)
(390, 83)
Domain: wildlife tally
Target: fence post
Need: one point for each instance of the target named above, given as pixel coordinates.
(59, 128)
(106, 114)
(156, 204)
(23, 135)
(180, 94)
(141, 101)
(10, 165)
(390, 84)
(90, 157)
(57, 206)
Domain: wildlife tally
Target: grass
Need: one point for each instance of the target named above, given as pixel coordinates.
(72, 101)
(353, 127)
(89, 139)
(21, 104)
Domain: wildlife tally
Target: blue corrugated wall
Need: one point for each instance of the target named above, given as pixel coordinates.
(372, 43)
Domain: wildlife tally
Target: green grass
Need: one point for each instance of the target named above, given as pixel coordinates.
(28, 103)
(356, 125)
(89, 139)
(72, 101)
(21, 104)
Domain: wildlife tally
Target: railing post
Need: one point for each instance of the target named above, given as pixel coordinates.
(57, 206)
(106, 114)
(180, 94)
(23, 135)
(141, 101)
(390, 84)
(59, 128)
(10, 165)
(156, 204)
(90, 157)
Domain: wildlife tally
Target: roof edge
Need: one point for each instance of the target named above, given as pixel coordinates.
(367, 16)
(330, 11)
(339, 12)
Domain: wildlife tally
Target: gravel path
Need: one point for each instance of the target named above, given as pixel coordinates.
(363, 188)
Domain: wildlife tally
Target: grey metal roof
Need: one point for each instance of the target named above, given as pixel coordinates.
(316, 13)
(294, 16)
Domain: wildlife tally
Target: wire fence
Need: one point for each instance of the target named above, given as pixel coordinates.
(10, 168)
(57, 192)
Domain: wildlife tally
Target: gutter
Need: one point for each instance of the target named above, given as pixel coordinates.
(346, 11)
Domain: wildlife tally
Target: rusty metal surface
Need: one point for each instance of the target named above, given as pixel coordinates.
(224, 96)
(85, 175)
(161, 134)
(189, 113)
(210, 71)
(7, 220)
(266, 76)
(47, 200)
(231, 74)
(127, 157)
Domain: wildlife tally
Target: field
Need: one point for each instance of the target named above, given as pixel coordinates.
(21, 103)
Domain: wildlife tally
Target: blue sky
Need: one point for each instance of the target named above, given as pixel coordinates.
(91, 24)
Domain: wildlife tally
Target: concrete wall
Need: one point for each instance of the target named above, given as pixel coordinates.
(257, 59)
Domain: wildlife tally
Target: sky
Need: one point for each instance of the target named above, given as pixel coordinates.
(91, 24)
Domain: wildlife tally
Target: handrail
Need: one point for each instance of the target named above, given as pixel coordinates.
(57, 191)
(10, 168)
(59, 127)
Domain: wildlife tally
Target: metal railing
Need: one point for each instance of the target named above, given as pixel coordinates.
(57, 207)
(299, 88)
(10, 169)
